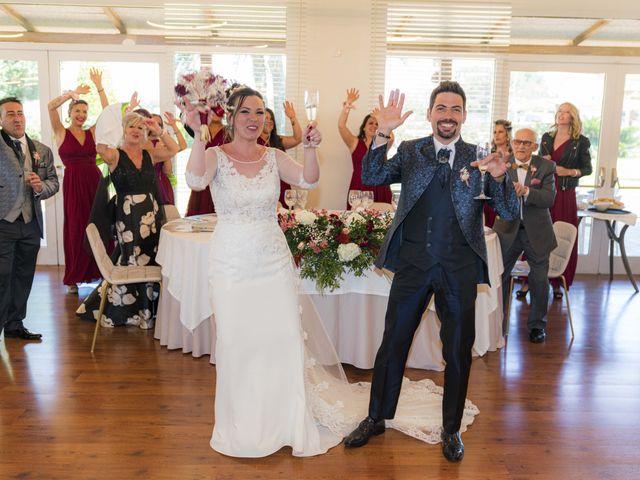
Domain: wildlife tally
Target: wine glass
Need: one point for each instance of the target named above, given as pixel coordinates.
(367, 198)
(311, 100)
(355, 197)
(290, 198)
(482, 152)
(302, 196)
(395, 198)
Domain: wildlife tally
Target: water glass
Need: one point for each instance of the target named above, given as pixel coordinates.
(367, 198)
(290, 198)
(395, 198)
(302, 196)
(355, 197)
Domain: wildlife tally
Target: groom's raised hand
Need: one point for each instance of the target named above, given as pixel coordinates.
(390, 116)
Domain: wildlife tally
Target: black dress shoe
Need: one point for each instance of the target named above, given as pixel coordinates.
(522, 294)
(537, 335)
(452, 446)
(22, 333)
(360, 436)
(557, 294)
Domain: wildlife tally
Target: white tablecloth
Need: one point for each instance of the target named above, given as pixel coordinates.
(353, 315)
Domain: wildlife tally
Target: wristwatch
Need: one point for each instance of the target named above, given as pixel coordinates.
(388, 137)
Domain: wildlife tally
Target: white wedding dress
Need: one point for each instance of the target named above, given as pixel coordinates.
(279, 381)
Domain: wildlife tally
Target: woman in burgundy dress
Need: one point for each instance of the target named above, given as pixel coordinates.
(77, 150)
(501, 142)
(358, 146)
(566, 146)
(201, 202)
(271, 138)
(162, 155)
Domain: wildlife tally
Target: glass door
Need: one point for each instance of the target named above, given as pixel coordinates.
(122, 74)
(23, 73)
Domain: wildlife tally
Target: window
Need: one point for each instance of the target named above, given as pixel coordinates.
(19, 78)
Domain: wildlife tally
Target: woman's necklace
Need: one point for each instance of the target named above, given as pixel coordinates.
(247, 162)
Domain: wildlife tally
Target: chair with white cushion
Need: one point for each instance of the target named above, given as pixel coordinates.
(171, 212)
(566, 235)
(116, 274)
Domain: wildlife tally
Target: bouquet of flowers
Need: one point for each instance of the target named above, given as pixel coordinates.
(327, 244)
(207, 92)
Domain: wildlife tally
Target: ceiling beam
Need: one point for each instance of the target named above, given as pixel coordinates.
(589, 31)
(115, 19)
(16, 17)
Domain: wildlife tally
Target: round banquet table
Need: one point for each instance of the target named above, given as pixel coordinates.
(353, 314)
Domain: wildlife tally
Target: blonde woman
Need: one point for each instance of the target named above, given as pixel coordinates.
(566, 146)
(500, 142)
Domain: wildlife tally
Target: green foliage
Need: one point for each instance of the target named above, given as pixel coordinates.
(317, 238)
(19, 78)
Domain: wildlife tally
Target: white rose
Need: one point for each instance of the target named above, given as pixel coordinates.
(354, 217)
(305, 217)
(348, 251)
(301, 246)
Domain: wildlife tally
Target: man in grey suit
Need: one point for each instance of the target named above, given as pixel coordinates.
(27, 176)
(532, 231)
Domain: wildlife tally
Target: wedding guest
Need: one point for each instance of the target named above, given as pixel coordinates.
(500, 142)
(162, 154)
(77, 150)
(531, 232)
(569, 149)
(27, 177)
(358, 146)
(138, 219)
(271, 138)
(436, 248)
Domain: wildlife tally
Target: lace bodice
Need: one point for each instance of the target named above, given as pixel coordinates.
(242, 199)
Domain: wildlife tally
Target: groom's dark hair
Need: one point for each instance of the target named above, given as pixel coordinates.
(448, 86)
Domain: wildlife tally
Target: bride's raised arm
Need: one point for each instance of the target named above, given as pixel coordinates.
(203, 162)
(307, 175)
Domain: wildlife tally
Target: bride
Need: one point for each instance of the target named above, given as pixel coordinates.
(279, 381)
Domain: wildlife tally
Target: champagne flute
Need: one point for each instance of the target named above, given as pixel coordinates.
(290, 198)
(302, 196)
(354, 199)
(311, 100)
(395, 198)
(482, 152)
(367, 198)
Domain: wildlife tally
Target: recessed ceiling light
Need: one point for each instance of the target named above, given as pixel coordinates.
(209, 26)
(11, 35)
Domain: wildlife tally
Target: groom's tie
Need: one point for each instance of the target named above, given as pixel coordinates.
(444, 169)
(17, 145)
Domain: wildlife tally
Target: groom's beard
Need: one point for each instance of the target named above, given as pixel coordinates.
(448, 133)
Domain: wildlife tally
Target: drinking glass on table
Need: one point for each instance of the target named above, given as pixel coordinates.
(355, 198)
(367, 198)
(395, 198)
(290, 197)
(302, 196)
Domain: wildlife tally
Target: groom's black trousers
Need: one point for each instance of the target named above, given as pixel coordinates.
(411, 290)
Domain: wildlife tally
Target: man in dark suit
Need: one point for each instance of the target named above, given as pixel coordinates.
(27, 176)
(435, 245)
(530, 232)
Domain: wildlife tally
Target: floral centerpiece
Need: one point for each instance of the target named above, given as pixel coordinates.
(327, 244)
(207, 92)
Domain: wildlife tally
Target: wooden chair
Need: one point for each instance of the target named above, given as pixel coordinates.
(171, 212)
(566, 235)
(115, 274)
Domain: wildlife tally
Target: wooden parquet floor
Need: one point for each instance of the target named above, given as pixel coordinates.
(560, 410)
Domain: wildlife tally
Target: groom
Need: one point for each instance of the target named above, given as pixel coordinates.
(435, 246)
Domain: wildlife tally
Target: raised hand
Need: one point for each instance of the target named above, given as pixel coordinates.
(170, 119)
(82, 89)
(496, 164)
(390, 116)
(153, 126)
(190, 115)
(352, 95)
(312, 136)
(289, 111)
(133, 103)
(96, 77)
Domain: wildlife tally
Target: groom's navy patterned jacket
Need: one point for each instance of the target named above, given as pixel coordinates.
(414, 166)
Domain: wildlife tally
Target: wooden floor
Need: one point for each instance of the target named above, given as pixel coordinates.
(560, 410)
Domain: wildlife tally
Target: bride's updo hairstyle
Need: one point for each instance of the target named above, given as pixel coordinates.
(237, 96)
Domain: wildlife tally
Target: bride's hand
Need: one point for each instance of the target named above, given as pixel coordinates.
(312, 136)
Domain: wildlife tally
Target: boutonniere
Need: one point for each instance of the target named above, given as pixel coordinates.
(464, 176)
(36, 159)
(533, 170)
(535, 181)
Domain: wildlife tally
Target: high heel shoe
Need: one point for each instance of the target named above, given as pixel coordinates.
(522, 294)
(557, 294)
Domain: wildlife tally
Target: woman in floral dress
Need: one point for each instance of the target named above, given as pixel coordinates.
(138, 220)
